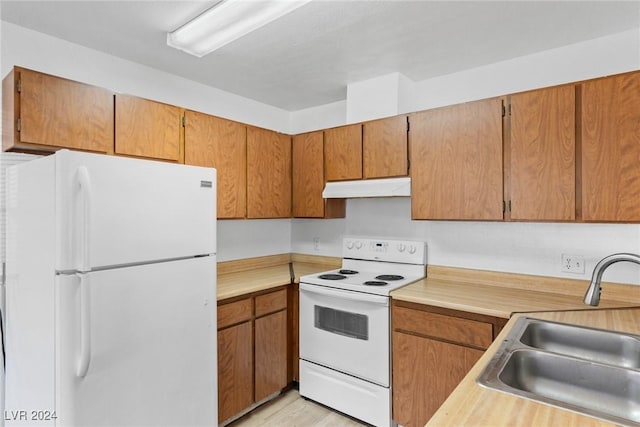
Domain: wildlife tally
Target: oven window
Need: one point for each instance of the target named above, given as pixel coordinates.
(351, 325)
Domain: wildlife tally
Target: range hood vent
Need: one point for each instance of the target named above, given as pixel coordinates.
(386, 187)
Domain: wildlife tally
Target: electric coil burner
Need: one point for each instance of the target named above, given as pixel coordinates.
(345, 336)
(375, 283)
(332, 276)
(390, 277)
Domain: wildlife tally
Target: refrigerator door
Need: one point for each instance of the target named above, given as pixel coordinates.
(113, 211)
(137, 346)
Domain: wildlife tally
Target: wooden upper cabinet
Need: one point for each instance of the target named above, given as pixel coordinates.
(308, 175)
(384, 148)
(610, 154)
(268, 174)
(147, 128)
(308, 179)
(44, 112)
(343, 153)
(542, 164)
(456, 162)
(222, 144)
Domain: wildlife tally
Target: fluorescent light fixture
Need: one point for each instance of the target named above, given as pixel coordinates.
(227, 21)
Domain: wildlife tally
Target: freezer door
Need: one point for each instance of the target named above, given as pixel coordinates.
(137, 346)
(114, 210)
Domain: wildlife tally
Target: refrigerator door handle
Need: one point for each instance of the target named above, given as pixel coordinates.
(84, 183)
(85, 326)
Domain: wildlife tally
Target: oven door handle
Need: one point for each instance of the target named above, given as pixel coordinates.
(339, 293)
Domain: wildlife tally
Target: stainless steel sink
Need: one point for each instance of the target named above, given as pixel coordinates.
(586, 343)
(585, 370)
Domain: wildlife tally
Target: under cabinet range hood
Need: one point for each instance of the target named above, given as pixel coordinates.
(386, 187)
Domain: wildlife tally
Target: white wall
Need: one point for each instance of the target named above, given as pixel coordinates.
(321, 117)
(251, 238)
(530, 248)
(30, 49)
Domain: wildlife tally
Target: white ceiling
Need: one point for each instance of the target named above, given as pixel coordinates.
(308, 57)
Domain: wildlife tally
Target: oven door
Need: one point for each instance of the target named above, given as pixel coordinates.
(346, 331)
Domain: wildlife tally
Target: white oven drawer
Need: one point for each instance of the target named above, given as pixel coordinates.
(345, 331)
(368, 402)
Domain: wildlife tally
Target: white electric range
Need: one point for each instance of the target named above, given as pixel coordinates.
(345, 326)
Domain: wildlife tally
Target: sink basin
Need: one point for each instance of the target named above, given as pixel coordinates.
(589, 371)
(586, 343)
(576, 384)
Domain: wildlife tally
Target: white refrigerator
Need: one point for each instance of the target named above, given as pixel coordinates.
(110, 293)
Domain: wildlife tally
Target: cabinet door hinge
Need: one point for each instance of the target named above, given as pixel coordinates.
(18, 125)
(19, 85)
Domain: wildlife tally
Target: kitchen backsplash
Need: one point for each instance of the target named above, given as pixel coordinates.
(519, 247)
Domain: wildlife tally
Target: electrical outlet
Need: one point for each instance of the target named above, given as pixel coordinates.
(572, 264)
(316, 244)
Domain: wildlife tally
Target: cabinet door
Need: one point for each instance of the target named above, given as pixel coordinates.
(308, 175)
(456, 162)
(542, 170)
(271, 354)
(343, 153)
(147, 128)
(222, 144)
(235, 370)
(268, 174)
(610, 114)
(58, 113)
(384, 148)
(425, 372)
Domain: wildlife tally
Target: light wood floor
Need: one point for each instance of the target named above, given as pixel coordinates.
(291, 410)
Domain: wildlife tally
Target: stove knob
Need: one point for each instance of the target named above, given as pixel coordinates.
(401, 247)
(412, 249)
(349, 244)
(358, 244)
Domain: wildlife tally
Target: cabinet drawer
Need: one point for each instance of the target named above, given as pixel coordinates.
(234, 312)
(449, 328)
(271, 302)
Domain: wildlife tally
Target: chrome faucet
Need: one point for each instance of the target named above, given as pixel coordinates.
(592, 296)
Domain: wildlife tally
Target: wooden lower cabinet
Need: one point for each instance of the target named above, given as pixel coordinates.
(433, 350)
(271, 354)
(235, 370)
(253, 350)
(426, 372)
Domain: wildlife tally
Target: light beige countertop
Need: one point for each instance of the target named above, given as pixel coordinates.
(473, 405)
(502, 294)
(242, 277)
(245, 282)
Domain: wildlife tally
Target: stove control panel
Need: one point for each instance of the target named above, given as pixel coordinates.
(407, 251)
